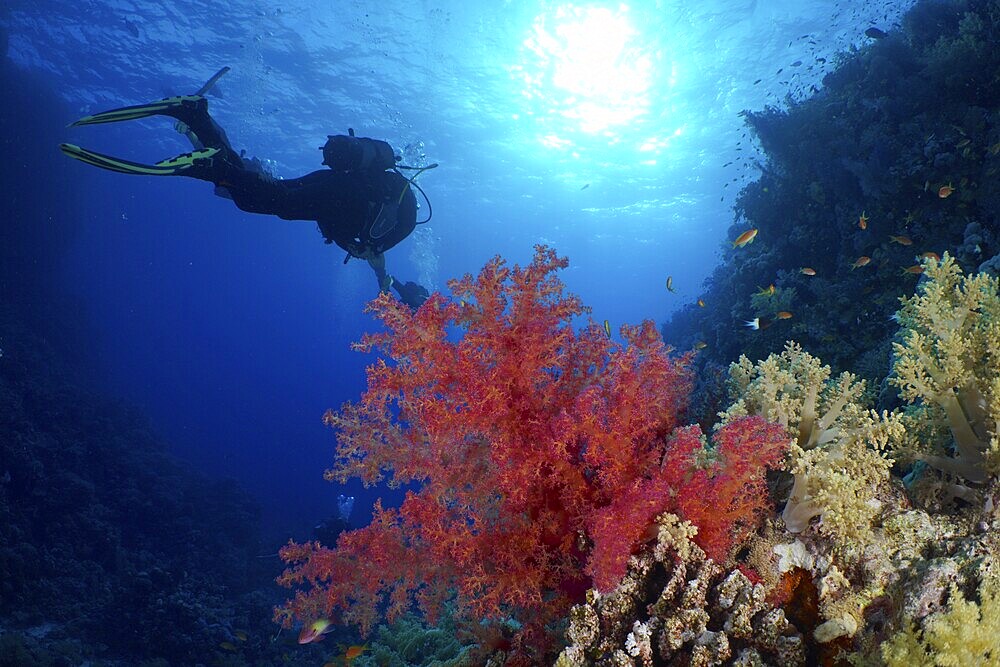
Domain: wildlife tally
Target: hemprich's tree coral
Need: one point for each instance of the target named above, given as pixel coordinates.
(948, 363)
(522, 434)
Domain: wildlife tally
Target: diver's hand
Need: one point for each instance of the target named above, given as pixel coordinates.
(410, 293)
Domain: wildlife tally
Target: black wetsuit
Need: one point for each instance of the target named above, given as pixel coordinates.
(345, 204)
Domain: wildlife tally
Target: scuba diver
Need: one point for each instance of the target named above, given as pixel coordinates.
(362, 202)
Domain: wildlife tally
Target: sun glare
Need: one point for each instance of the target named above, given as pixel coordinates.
(587, 66)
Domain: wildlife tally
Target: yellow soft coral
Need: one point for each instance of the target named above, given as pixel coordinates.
(965, 633)
(837, 455)
(948, 361)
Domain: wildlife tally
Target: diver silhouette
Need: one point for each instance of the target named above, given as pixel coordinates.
(361, 202)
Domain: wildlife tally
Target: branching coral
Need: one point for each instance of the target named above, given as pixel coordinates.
(837, 458)
(965, 633)
(949, 362)
(518, 432)
(676, 606)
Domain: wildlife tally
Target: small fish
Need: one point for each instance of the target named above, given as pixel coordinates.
(701, 303)
(945, 191)
(240, 635)
(757, 323)
(807, 271)
(745, 238)
(783, 315)
(995, 148)
(927, 186)
(670, 284)
(607, 328)
(963, 143)
(861, 261)
(227, 646)
(929, 255)
(901, 240)
(875, 33)
(916, 269)
(585, 186)
(315, 631)
(766, 291)
(863, 221)
(353, 652)
(700, 345)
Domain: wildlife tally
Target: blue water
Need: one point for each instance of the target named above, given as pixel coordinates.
(610, 131)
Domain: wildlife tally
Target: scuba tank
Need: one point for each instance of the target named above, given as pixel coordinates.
(346, 152)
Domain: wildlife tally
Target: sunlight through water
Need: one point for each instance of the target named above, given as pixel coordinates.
(585, 70)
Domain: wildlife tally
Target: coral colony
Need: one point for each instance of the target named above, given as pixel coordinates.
(565, 513)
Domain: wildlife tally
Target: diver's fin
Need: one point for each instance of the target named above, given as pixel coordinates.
(175, 166)
(211, 82)
(178, 107)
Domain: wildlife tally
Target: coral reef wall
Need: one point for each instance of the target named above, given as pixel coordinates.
(897, 156)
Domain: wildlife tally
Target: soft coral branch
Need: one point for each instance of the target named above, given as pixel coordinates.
(522, 433)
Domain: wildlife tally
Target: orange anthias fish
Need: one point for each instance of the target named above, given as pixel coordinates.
(315, 631)
(807, 271)
(783, 315)
(863, 221)
(945, 191)
(930, 255)
(861, 261)
(901, 240)
(745, 238)
(766, 291)
(353, 652)
(916, 269)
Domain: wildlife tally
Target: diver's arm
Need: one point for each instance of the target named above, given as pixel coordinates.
(377, 262)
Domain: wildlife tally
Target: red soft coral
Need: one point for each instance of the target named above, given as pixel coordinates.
(521, 433)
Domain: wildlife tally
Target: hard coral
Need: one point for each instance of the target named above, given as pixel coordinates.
(948, 363)
(676, 606)
(519, 432)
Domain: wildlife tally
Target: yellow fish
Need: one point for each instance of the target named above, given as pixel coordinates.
(607, 328)
(701, 303)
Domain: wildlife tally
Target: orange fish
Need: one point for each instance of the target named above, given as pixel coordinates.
(916, 269)
(745, 238)
(945, 191)
(701, 304)
(353, 652)
(863, 221)
(315, 631)
(901, 240)
(930, 255)
(766, 291)
(861, 261)
(807, 271)
(783, 315)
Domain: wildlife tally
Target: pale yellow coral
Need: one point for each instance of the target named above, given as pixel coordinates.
(948, 362)
(965, 633)
(837, 456)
